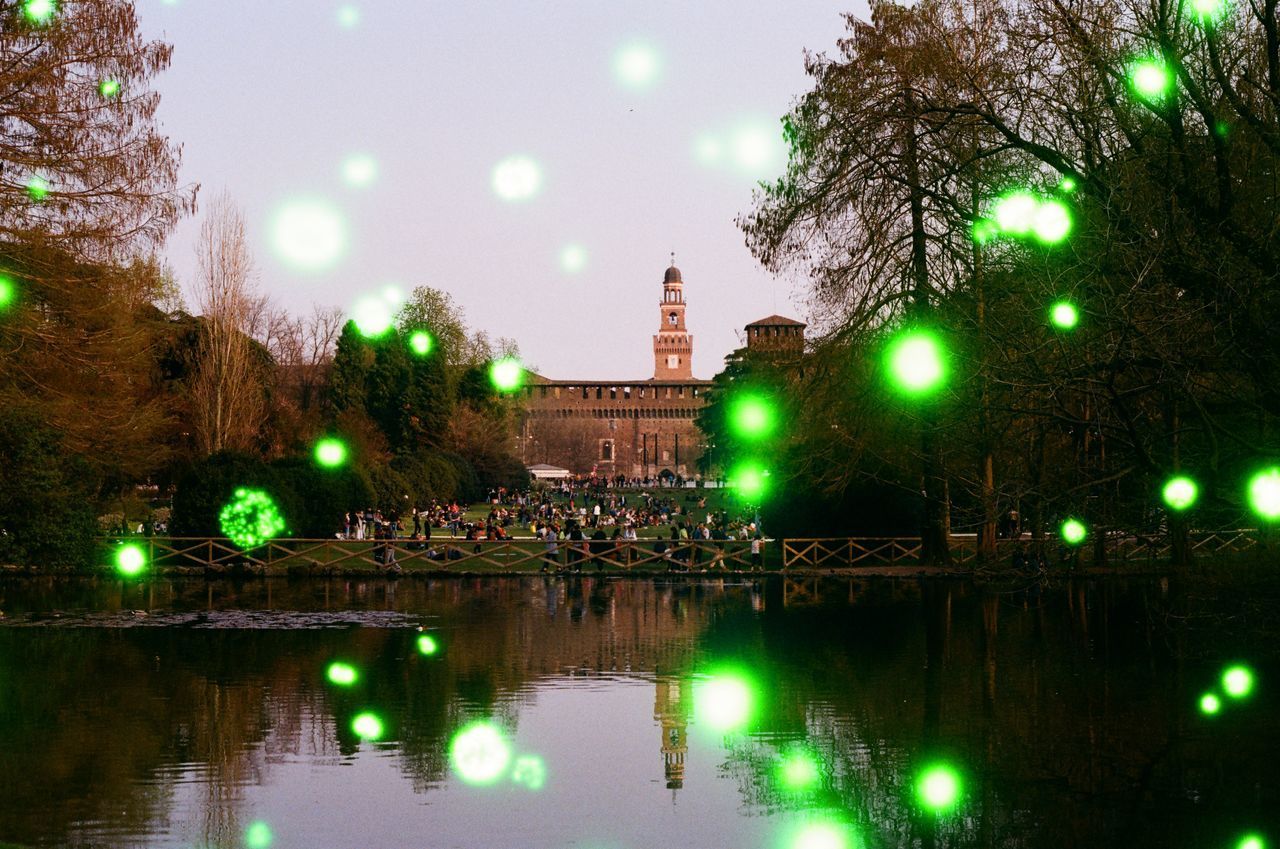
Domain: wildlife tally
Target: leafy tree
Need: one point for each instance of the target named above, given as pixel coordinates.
(388, 401)
(46, 503)
(349, 377)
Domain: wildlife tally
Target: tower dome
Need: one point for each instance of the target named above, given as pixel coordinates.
(672, 275)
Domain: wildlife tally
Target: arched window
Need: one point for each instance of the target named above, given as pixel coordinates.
(671, 319)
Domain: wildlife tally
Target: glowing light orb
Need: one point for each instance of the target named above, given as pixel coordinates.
(342, 674)
(1073, 532)
(573, 258)
(1210, 704)
(916, 364)
(799, 771)
(1150, 79)
(821, 835)
(1209, 11)
(1180, 492)
(359, 170)
(752, 417)
(39, 11)
(480, 754)
(1064, 315)
(8, 291)
(1264, 494)
(517, 179)
(421, 343)
(1015, 213)
(636, 66)
(348, 16)
(938, 788)
(750, 480)
(1052, 222)
(130, 560)
(251, 518)
(427, 645)
(373, 316)
(37, 188)
(367, 726)
(330, 453)
(754, 149)
(708, 150)
(529, 772)
(506, 374)
(1237, 681)
(1251, 841)
(309, 235)
(1067, 185)
(722, 702)
(984, 230)
(258, 835)
(109, 88)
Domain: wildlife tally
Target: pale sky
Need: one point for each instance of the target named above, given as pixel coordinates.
(269, 100)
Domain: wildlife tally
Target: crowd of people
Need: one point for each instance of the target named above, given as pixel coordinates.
(588, 519)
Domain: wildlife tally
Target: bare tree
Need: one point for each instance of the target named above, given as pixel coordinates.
(226, 395)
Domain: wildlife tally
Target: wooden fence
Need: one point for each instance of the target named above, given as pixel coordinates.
(906, 551)
(441, 554)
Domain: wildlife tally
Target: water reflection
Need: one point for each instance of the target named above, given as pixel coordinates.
(166, 715)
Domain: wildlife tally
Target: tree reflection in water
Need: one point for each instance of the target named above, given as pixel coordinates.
(1070, 710)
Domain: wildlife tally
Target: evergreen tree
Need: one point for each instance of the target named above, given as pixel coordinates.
(388, 401)
(348, 382)
(430, 399)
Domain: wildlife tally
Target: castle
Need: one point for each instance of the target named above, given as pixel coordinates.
(637, 428)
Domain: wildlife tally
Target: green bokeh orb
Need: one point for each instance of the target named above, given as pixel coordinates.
(131, 560)
(822, 835)
(8, 291)
(752, 417)
(367, 726)
(1210, 704)
(517, 179)
(373, 316)
(506, 374)
(637, 66)
(1068, 185)
(750, 480)
(1015, 213)
(916, 363)
(109, 88)
(1237, 681)
(342, 674)
(723, 702)
(1064, 315)
(39, 11)
(1210, 11)
(1052, 222)
(1251, 841)
(421, 343)
(427, 645)
(480, 753)
(799, 771)
(251, 518)
(1180, 493)
(938, 788)
(529, 772)
(359, 170)
(1150, 79)
(258, 835)
(348, 17)
(1073, 532)
(331, 453)
(984, 230)
(573, 258)
(309, 234)
(1264, 494)
(37, 188)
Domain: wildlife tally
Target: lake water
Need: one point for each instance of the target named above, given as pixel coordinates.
(193, 714)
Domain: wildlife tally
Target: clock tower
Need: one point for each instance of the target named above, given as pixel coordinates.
(673, 343)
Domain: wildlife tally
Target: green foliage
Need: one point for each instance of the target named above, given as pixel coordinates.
(322, 495)
(392, 491)
(430, 400)
(209, 483)
(387, 401)
(348, 379)
(46, 502)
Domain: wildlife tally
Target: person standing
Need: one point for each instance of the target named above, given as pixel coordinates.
(552, 554)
